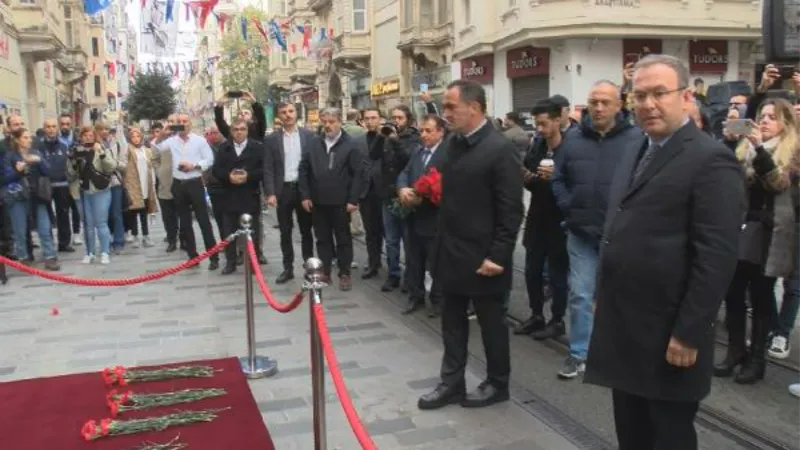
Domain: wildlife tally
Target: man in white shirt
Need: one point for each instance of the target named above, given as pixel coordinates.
(191, 156)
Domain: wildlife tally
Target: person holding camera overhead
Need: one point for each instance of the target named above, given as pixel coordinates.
(191, 156)
(91, 167)
(256, 119)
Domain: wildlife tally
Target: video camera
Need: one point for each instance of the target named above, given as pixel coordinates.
(389, 128)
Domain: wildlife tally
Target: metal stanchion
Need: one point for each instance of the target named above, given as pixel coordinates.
(253, 365)
(314, 284)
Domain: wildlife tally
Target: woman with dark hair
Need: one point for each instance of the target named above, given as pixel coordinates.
(27, 193)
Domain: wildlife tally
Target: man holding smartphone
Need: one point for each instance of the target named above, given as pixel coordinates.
(191, 156)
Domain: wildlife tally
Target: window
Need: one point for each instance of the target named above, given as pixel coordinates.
(512, 3)
(467, 13)
(426, 13)
(284, 59)
(111, 102)
(284, 7)
(444, 11)
(359, 15)
(27, 2)
(95, 47)
(408, 13)
(68, 33)
(97, 90)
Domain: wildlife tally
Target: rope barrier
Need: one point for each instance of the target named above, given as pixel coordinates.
(356, 424)
(119, 282)
(262, 284)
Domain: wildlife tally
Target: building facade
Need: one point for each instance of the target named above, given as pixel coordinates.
(386, 88)
(525, 51)
(96, 98)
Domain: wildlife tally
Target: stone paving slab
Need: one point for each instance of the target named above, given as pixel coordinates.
(198, 314)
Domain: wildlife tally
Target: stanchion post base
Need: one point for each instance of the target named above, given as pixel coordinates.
(264, 367)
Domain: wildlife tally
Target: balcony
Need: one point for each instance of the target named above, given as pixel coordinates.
(302, 68)
(417, 36)
(74, 66)
(352, 50)
(40, 43)
(319, 5)
(281, 76)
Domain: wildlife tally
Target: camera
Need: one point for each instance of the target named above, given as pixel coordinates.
(388, 128)
(177, 128)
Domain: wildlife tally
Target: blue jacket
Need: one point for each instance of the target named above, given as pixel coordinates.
(10, 175)
(56, 153)
(584, 168)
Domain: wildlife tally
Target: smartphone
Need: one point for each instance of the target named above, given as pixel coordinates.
(238, 171)
(739, 127)
(234, 94)
(787, 71)
(177, 128)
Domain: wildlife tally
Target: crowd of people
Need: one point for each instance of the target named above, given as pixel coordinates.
(640, 222)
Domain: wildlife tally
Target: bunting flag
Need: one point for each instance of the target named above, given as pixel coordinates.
(170, 6)
(221, 18)
(277, 35)
(188, 11)
(243, 24)
(92, 7)
(306, 31)
(260, 27)
(144, 3)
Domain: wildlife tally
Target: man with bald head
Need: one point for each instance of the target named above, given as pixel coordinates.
(584, 168)
(56, 153)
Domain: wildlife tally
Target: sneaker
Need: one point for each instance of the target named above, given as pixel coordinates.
(135, 242)
(104, 258)
(52, 265)
(129, 237)
(780, 347)
(88, 259)
(572, 368)
(147, 242)
(76, 239)
(795, 389)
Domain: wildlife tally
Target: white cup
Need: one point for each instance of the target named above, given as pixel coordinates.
(546, 163)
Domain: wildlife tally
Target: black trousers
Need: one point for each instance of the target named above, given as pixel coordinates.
(63, 202)
(190, 196)
(169, 215)
(289, 206)
(419, 259)
(372, 216)
(494, 334)
(134, 217)
(217, 201)
(230, 221)
(644, 424)
(333, 223)
(548, 244)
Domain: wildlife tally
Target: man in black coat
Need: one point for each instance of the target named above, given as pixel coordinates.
(668, 254)
(421, 223)
(238, 166)
(479, 218)
(285, 148)
(371, 205)
(331, 177)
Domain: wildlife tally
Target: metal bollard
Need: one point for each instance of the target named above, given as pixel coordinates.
(253, 365)
(314, 285)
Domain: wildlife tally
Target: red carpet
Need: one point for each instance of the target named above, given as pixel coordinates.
(48, 413)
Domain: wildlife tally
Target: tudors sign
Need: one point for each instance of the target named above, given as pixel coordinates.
(527, 61)
(479, 68)
(708, 56)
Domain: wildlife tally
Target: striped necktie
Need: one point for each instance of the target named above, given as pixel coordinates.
(644, 161)
(426, 155)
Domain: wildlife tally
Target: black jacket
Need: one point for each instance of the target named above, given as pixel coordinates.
(242, 198)
(256, 130)
(394, 156)
(480, 213)
(57, 154)
(667, 257)
(332, 178)
(274, 159)
(543, 216)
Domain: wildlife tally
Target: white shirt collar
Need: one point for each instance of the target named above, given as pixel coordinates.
(242, 145)
(476, 129)
(435, 146)
(335, 138)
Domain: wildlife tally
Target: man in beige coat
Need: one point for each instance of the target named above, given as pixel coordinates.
(169, 213)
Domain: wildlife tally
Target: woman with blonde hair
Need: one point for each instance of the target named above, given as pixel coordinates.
(139, 185)
(91, 167)
(769, 156)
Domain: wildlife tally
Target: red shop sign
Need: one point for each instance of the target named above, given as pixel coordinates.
(479, 68)
(708, 56)
(527, 61)
(635, 49)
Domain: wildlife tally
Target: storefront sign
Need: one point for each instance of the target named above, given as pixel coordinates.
(380, 88)
(527, 61)
(708, 56)
(479, 68)
(437, 78)
(635, 49)
(618, 3)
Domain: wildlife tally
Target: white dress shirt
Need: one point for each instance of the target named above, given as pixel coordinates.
(329, 143)
(239, 147)
(291, 155)
(194, 150)
(427, 158)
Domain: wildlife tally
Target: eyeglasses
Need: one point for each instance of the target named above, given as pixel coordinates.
(239, 129)
(657, 95)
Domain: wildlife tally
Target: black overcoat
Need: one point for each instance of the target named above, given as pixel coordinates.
(241, 198)
(668, 254)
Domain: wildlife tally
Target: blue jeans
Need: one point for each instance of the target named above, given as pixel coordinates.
(117, 219)
(583, 255)
(393, 230)
(19, 211)
(783, 321)
(95, 208)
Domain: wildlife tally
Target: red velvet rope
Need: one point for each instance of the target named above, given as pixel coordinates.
(338, 382)
(262, 284)
(119, 281)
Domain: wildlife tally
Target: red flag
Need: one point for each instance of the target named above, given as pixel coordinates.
(177, 70)
(221, 18)
(144, 3)
(260, 28)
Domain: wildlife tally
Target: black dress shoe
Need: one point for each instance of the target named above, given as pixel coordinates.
(371, 272)
(412, 305)
(554, 329)
(434, 310)
(533, 324)
(239, 260)
(213, 265)
(486, 394)
(441, 396)
(391, 284)
(229, 269)
(171, 247)
(262, 260)
(285, 276)
(66, 249)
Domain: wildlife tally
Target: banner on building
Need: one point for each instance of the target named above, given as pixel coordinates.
(166, 36)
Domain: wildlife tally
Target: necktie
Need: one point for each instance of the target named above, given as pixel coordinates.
(644, 161)
(426, 155)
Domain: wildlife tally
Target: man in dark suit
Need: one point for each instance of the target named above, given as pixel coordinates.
(284, 150)
(239, 166)
(668, 254)
(371, 206)
(479, 218)
(421, 223)
(330, 181)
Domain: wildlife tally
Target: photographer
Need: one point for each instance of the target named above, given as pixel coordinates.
(401, 138)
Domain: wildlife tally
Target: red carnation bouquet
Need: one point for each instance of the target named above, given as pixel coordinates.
(429, 186)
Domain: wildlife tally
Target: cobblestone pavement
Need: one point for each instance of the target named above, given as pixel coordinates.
(387, 360)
